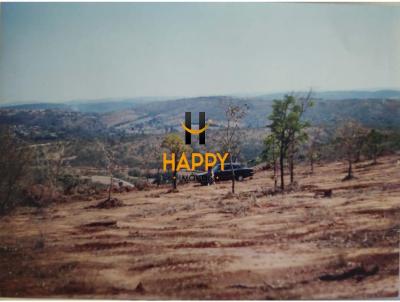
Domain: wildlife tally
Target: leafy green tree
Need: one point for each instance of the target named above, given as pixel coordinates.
(280, 129)
(374, 144)
(175, 145)
(289, 129)
(15, 161)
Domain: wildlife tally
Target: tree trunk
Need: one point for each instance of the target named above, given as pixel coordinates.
(174, 180)
(275, 166)
(291, 167)
(350, 171)
(281, 155)
(312, 164)
(233, 175)
(275, 178)
(174, 176)
(291, 162)
(110, 188)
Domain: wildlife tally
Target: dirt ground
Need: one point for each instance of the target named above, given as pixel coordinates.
(204, 243)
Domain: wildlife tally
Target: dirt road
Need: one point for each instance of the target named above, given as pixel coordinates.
(204, 243)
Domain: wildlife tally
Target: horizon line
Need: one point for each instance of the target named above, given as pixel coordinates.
(179, 97)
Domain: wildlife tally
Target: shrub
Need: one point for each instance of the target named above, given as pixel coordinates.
(15, 159)
(68, 183)
(142, 185)
(135, 172)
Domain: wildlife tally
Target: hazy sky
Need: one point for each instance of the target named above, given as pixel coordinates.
(52, 52)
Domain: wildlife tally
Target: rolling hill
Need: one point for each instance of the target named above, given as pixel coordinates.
(377, 113)
(377, 109)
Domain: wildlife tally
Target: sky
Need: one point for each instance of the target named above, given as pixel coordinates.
(52, 52)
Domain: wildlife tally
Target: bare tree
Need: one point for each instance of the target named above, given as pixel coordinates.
(297, 127)
(234, 113)
(151, 155)
(110, 165)
(53, 160)
(313, 146)
(348, 137)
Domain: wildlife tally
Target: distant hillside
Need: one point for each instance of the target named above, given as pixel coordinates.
(111, 105)
(359, 94)
(137, 116)
(343, 95)
(119, 104)
(161, 116)
(53, 124)
(376, 113)
(95, 106)
(38, 106)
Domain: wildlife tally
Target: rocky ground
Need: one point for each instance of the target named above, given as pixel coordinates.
(205, 243)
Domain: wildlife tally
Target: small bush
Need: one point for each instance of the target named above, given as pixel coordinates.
(68, 183)
(135, 172)
(142, 185)
(41, 195)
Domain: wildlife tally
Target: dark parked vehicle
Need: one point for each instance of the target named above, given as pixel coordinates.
(217, 174)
